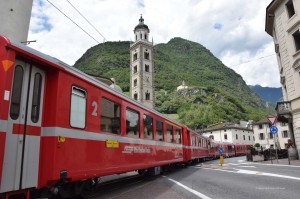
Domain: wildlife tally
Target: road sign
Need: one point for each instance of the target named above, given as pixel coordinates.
(273, 129)
(221, 150)
(272, 120)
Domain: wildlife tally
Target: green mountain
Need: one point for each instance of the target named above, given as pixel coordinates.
(216, 93)
(268, 94)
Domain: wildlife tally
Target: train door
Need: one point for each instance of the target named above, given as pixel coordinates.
(21, 158)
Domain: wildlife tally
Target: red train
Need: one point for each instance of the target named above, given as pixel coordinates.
(60, 129)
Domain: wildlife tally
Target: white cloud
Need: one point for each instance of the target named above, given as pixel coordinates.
(233, 30)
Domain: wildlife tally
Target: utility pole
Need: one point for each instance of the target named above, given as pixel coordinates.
(15, 19)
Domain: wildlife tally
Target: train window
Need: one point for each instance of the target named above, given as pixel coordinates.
(132, 123)
(178, 136)
(78, 108)
(36, 98)
(159, 131)
(110, 116)
(148, 127)
(16, 93)
(169, 133)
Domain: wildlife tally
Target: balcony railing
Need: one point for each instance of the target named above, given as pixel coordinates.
(283, 108)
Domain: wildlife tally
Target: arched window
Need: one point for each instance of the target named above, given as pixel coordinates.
(147, 95)
(146, 55)
(147, 68)
(135, 82)
(134, 56)
(135, 96)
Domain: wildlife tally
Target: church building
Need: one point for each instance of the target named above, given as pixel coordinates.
(141, 66)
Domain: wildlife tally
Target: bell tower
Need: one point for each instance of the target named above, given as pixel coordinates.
(141, 66)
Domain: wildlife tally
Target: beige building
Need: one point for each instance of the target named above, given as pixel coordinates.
(283, 24)
(262, 135)
(232, 133)
(141, 66)
(15, 18)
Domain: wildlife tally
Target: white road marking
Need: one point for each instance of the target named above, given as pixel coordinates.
(200, 195)
(241, 171)
(232, 164)
(248, 166)
(268, 174)
(277, 165)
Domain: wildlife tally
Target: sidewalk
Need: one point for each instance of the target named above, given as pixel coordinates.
(284, 161)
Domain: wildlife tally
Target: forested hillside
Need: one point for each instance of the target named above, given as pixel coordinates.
(216, 93)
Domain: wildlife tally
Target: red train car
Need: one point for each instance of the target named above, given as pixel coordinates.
(228, 149)
(59, 126)
(241, 149)
(213, 149)
(61, 129)
(197, 147)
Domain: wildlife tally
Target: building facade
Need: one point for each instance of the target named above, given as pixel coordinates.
(141, 66)
(232, 133)
(262, 135)
(283, 24)
(15, 18)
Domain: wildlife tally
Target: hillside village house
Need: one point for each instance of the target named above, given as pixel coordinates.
(262, 135)
(283, 24)
(227, 132)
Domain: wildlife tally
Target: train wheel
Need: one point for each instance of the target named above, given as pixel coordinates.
(88, 188)
(142, 171)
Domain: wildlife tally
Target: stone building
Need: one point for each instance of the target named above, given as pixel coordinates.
(262, 135)
(283, 24)
(228, 132)
(141, 66)
(182, 86)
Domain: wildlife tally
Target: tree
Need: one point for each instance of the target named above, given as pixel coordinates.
(257, 145)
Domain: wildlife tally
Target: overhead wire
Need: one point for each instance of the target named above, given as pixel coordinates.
(73, 22)
(87, 20)
(254, 59)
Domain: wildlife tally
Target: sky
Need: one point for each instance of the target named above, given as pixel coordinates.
(233, 30)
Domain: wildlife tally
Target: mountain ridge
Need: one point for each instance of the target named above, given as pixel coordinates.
(227, 95)
(269, 94)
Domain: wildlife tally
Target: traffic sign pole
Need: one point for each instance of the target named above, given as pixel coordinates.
(274, 131)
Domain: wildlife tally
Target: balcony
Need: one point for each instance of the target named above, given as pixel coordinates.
(283, 109)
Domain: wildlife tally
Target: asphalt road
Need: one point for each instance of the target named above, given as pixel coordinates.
(237, 178)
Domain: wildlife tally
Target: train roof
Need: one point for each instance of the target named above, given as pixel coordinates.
(54, 62)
